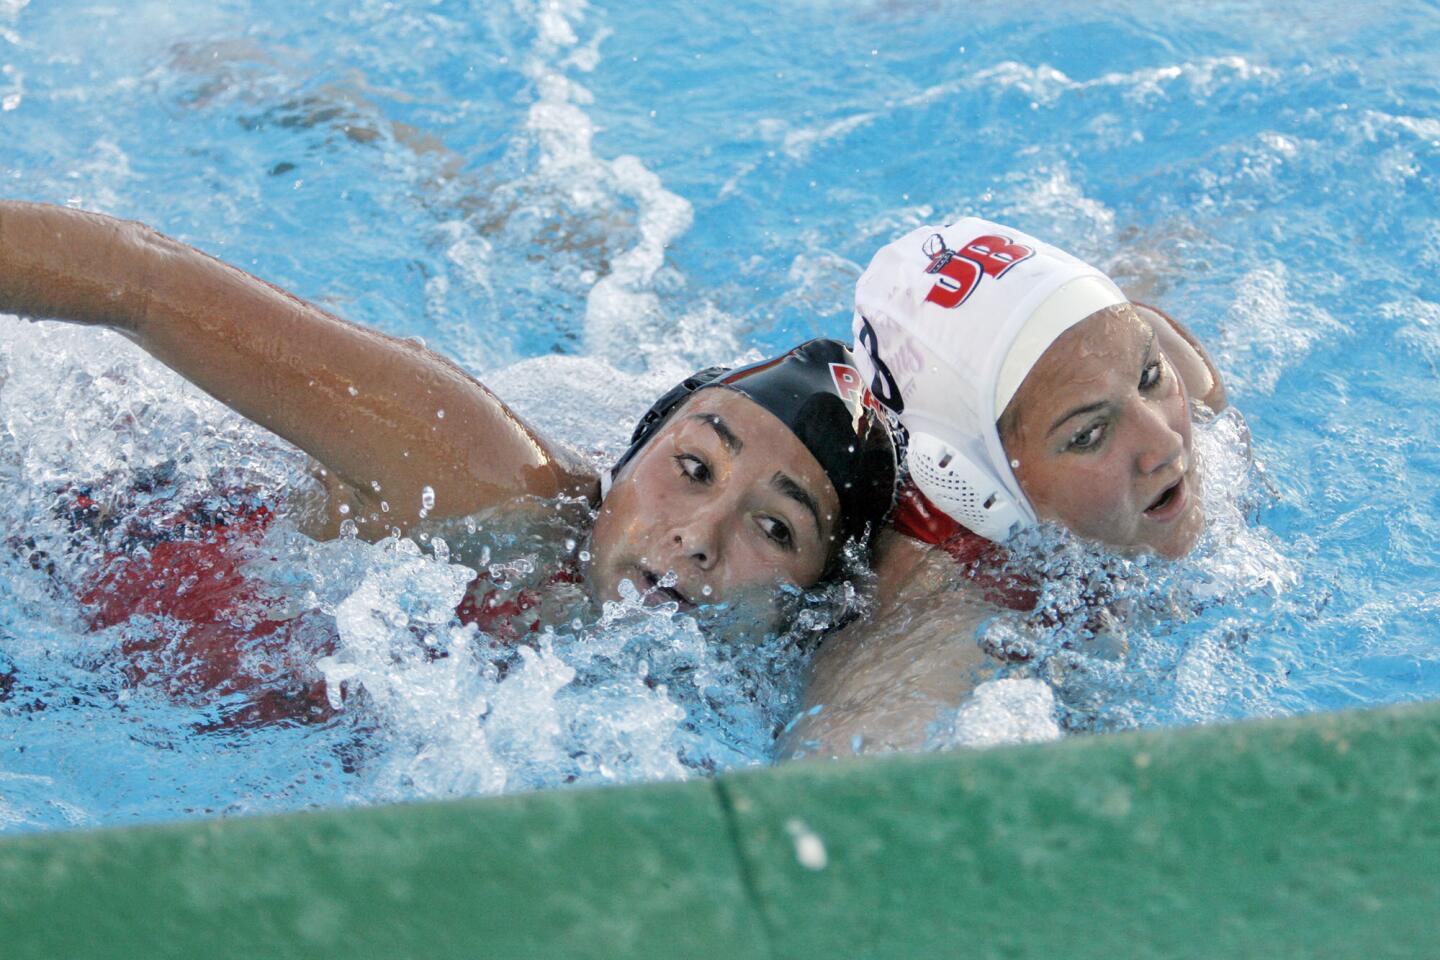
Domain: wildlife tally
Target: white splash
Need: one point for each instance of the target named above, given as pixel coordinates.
(1009, 710)
(622, 308)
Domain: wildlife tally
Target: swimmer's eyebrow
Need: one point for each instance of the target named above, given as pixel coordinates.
(787, 485)
(722, 429)
(1088, 408)
(1092, 407)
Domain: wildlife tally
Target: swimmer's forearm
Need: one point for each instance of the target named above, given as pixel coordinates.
(1190, 358)
(377, 411)
(62, 264)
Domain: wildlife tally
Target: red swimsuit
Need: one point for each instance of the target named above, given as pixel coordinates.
(918, 518)
(220, 640)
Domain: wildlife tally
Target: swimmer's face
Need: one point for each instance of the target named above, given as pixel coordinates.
(727, 499)
(1101, 428)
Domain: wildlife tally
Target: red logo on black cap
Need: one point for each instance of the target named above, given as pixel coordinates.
(852, 389)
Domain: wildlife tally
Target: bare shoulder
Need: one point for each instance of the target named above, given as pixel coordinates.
(879, 684)
(1188, 356)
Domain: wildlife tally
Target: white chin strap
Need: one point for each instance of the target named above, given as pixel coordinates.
(960, 487)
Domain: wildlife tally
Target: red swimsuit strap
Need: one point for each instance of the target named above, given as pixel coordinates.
(918, 518)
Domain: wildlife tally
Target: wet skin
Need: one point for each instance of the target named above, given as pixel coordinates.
(725, 497)
(1101, 430)
(367, 408)
(883, 679)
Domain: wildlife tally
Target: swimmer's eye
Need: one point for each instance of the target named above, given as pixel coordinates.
(1151, 376)
(778, 531)
(1088, 439)
(694, 469)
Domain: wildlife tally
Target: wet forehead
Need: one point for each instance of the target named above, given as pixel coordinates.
(767, 444)
(1086, 363)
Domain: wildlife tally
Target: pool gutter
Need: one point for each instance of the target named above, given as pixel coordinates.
(1310, 837)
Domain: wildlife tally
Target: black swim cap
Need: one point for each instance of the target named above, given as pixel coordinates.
(816, 391)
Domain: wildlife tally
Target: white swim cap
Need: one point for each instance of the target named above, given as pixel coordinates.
(948, 321)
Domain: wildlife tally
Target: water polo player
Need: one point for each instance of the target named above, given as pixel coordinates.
(736, 481)
(1030, 389)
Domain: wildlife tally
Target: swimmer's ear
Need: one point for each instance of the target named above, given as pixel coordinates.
(1189, 358)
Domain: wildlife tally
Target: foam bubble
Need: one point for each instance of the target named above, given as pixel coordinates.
(1010, 710)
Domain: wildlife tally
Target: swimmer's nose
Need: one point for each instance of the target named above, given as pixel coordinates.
(697, 543)
(1160, 444)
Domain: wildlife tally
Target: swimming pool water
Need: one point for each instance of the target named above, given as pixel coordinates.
(597, 197)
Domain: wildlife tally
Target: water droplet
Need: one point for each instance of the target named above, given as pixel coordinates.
(427, 498)
(1014, 464)
(375, 485)
(440, 414)
(344, 509)
(707, 589)
(384, 506)
(352, 391)
(809, 848)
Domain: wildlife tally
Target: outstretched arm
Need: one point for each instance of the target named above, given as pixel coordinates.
(386, 416)
(1188, 357)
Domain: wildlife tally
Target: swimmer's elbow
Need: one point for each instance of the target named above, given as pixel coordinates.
(1203, 379)
(1217, 399)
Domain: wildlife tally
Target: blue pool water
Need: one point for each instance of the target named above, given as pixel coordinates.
(589, 199)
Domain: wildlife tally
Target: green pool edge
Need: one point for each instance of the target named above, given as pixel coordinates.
(1307, 837)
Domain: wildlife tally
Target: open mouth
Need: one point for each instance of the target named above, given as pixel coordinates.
(1169, 503)
(653, 588)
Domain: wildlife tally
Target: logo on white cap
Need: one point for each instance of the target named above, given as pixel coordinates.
(948, 322)
(960, 272)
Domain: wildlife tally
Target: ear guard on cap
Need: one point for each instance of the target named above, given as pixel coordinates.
(962, 488)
